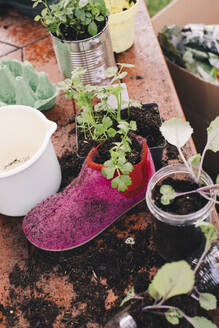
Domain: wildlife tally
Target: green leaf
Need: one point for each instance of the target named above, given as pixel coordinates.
(209, 231)
(108, 172)
(121, 182)
(111, 132)
(168, 194)
(195, 160)
(213, 135)
(202, 322)
(153, 292)
(37, 18)
(130, 294)
(92, 29)
(111, 71)
(126, 168)
(207, 301)
(126, 65)
(176, 131)
(107, 122)
(173, 316)
(174, 278)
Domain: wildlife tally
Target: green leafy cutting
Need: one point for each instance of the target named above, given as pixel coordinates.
(177, 132)
(174, 279)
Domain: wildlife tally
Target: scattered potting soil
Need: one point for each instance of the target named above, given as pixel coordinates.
(109, 264)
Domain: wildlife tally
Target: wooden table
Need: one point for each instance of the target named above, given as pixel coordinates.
(81, 288)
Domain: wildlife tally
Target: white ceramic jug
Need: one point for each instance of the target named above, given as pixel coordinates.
(29, 168)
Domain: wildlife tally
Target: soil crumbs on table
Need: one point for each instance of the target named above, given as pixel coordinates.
(107, 264)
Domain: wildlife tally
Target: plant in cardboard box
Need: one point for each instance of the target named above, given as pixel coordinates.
(79, 29)
(173, 296)
(194, 47)
(180, 195)
(102, 108)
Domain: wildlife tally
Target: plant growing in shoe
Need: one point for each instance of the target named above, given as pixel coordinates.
(177, 132)
(118, 164)
(171, 280)
(73, 19)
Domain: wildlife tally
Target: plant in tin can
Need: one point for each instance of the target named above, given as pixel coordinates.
(73, 19)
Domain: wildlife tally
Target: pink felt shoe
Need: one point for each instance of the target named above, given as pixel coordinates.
(86, 207)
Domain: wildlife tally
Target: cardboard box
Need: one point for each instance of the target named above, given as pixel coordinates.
(199, 99)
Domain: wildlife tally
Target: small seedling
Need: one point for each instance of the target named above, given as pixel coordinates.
(118, 167)
(177, 132)
(178, 278)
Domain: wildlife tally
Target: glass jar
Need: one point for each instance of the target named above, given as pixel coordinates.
(176, 236)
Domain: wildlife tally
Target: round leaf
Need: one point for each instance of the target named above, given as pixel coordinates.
(202, 322)
(176, 131)
(213, 135)
(208, 301)
(174, 278)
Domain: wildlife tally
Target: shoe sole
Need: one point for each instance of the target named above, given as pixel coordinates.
(81, 244)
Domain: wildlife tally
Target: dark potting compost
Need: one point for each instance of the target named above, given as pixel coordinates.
(107, 265)
(148, 122)
(175, 242)
(133, 157)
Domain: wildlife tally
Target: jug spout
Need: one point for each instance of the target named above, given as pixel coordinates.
(29, 167)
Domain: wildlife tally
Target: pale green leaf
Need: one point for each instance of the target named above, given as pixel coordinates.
(213, 135)
(195, 160)
(174, 278)
(168, 194)
(207, 301)
(126, 65)
(202, 322)
(92, 29)
(111, 71)
(127, 168)
(209, 231)
(108, 172)
(153, 292)
(130, 294)
(173, 316)
(176, 131)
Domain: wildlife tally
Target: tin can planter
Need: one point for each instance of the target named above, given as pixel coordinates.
(121, 26)
(95, 54)
(176, 236)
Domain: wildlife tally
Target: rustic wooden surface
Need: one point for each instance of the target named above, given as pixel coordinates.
(148, 81)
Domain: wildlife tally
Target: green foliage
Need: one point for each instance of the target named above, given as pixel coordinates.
(202, 322)
(177, 132)
(118, 167)
(130, 294)
(79, 15)
(178, 278)
(168, 193)
(173, 316)
(207, 301)
(154, 6)
(173, 279)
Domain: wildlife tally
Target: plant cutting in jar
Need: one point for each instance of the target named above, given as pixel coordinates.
(171, 280)
(79, 29)
(177, 132)
(180, 195)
